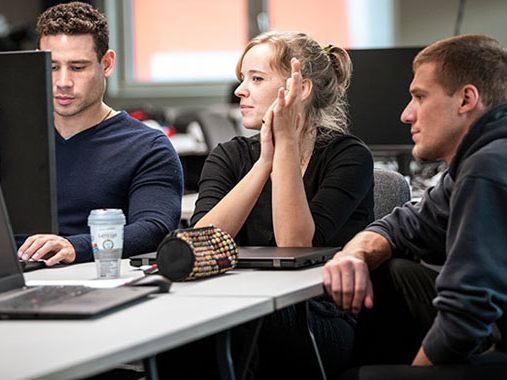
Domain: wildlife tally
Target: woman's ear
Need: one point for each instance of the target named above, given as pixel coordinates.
(108, 61)
(306, 89)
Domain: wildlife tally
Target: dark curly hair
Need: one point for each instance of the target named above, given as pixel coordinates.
(75, 18)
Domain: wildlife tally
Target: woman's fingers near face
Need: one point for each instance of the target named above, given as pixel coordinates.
(269, 112)
(295, 65)
(288, 83)
(267, 119)
(280, 100)
(293, 84)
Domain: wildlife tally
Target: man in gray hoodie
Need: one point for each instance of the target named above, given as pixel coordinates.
(440, 322)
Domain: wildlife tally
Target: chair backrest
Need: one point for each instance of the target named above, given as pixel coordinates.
(391, 190)
(216, 126)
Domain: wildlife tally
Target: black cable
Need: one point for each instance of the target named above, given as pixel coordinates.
(459, 19)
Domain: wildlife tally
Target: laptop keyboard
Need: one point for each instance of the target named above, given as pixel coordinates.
(43, 295)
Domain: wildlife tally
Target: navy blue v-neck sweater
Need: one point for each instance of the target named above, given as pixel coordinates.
(119, 163)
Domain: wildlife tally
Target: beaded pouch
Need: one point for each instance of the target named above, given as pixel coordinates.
(191, 253)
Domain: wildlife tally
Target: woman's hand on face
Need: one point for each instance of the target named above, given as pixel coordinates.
(267, 143)
(288, 106)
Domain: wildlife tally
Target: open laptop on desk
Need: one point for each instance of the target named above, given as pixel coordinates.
(51, 302)
(264, 257)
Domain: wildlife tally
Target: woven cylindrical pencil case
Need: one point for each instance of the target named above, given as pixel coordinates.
(191, 253)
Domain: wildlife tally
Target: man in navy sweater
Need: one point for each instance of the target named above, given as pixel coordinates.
(442, 323)
(104, 158)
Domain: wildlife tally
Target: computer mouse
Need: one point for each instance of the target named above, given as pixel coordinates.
(29, 266)
(163, 283)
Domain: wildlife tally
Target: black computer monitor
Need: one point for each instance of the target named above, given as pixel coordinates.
(378, 93)
(27, 155)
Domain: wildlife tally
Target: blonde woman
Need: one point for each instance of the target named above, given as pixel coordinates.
(302, 182)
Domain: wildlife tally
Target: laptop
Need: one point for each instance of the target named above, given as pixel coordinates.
(51, 302)
(264, 257)
(284, 257)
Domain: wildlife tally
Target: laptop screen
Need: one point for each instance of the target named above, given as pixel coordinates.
(10, 273)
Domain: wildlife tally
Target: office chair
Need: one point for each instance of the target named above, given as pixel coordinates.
(216, 127)
(391, 190)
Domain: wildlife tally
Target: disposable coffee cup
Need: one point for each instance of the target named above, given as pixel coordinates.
(106, 230)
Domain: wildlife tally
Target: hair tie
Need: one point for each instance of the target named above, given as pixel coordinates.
(327, 49)
(332, 58)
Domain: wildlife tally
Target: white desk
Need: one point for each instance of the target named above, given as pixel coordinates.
(86, 271)
(285, 287)
(70, 349)
(192, 310)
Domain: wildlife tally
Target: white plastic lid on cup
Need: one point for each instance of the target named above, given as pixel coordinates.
(106, 216)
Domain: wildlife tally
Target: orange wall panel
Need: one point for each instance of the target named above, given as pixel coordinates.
(191, 25)
(324, 20)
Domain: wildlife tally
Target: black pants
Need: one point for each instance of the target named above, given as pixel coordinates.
(392, 332)
(491, 365)
(285, 351)
(282, 350)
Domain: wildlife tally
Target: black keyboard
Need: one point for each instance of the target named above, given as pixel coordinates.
(43, 295)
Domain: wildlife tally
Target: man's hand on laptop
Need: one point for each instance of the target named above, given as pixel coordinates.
(53, 249)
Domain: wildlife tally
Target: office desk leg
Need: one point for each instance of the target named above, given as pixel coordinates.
(303, 312)
(245, 365)
(224, 352)
(150, 367)
(224, 356)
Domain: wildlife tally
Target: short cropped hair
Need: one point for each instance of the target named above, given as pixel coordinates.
(469, 59)
(75, 18)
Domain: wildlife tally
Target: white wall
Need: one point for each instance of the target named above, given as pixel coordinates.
(416, 23)
(420, 22)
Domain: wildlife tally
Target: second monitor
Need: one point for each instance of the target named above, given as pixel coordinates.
(378, 93)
